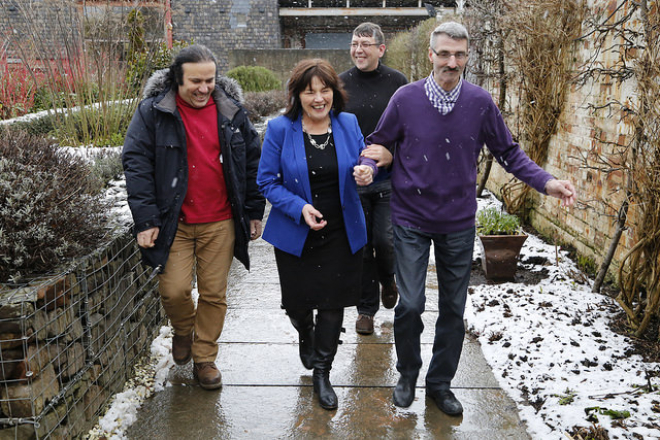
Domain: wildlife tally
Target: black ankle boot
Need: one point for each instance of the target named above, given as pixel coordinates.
(303, 322)
(326, 340)
(323, 387)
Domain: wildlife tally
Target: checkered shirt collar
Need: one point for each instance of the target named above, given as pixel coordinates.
(441, 100)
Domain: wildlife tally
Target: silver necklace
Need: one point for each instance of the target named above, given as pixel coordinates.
(316, 144)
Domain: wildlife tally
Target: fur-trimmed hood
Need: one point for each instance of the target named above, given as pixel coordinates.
(160, 81)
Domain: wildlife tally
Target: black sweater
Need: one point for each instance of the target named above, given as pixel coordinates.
(368, 96)
(370, 92)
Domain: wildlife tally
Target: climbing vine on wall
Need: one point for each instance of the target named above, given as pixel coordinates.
(541, 49)
(626, 49)
(639, 275)
(487, 64)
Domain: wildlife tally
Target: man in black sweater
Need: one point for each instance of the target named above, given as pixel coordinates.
(370, 85)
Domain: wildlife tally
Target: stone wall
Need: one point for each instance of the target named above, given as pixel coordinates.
(52, 29)
(224, 26)
(69, 342)
(55, 20)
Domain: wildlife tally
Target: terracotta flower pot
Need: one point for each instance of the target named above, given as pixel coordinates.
(500, 255)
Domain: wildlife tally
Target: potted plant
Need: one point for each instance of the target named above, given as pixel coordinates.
(501, 239)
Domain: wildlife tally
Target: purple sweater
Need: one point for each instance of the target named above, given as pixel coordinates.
(434, 173)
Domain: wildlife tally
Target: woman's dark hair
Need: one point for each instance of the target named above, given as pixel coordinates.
(301, 80)
(196, 53)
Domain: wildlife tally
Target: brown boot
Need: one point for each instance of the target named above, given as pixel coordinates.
(182, 349)
(364, 324)
(208, 375)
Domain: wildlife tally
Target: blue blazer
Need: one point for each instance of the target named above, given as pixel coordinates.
(283, 178)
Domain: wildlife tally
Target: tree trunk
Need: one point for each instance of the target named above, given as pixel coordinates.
(622, 217)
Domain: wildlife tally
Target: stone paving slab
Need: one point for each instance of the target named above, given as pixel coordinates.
(360, 365)
(291, 412)
(267, 393)
(273, 325)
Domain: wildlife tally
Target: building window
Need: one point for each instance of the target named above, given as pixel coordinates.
(239, 14)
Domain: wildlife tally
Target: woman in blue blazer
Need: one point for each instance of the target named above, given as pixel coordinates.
(310, 164)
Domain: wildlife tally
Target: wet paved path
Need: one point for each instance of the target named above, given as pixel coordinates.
(267, 393)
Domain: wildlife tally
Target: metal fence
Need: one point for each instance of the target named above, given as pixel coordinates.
(70, 341)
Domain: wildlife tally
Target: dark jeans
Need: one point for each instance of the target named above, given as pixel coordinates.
(378, 261)
(453, 259)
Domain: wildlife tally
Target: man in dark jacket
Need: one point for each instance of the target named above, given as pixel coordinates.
(370, 84)
(190, 159)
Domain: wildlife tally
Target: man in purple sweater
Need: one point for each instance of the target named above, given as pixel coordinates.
(439, 125)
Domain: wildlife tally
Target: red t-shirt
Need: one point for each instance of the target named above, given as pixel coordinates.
(206, 200)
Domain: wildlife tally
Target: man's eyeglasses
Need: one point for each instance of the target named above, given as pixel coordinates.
(363, 45)
(446, 55)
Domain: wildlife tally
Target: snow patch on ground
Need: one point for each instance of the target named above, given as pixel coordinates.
(150, 377)
(551, 349)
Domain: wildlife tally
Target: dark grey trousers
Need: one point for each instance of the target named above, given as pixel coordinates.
(453, 257)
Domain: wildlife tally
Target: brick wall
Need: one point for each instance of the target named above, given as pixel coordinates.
(583, 133)
(50, 29)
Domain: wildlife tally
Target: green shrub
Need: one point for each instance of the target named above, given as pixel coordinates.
(50, 207)
(38, 126)
(408, 52)
(101, 126)
(46, 98)
(260, 104)
(106, 165)
(255, 78)
(399, 55)
(492, 221)
(587, 264)
(141, 65)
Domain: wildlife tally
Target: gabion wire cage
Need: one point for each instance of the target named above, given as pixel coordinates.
(68, 342)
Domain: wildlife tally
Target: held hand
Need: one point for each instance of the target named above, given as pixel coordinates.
(147, 239)
(255, 229)
(364, 175)
(561, 189)
(313, 218)
(380, 154)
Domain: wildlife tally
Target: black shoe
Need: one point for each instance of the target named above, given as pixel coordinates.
(326, 341)
(404, 392)
(447, 402)
(389, 295)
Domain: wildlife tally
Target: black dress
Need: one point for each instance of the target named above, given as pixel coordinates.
(327, 275)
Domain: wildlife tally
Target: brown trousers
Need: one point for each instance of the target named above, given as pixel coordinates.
(206, 251)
